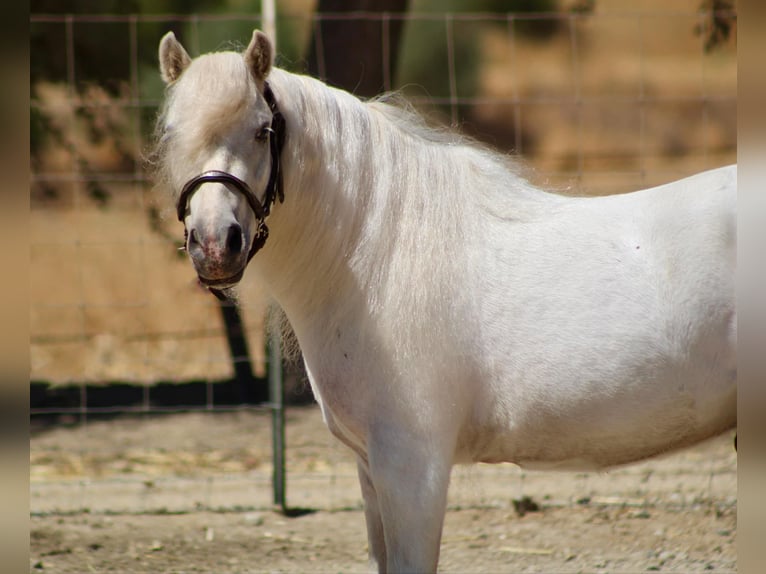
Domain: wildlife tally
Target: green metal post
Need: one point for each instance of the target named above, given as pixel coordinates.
(276, 382)
(277, 403)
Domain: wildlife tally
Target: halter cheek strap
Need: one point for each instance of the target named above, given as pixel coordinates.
(274, 187)
(276, 143)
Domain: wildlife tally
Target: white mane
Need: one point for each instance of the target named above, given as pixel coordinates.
(398, 195)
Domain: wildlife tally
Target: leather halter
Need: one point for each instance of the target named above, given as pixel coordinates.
(274, 187)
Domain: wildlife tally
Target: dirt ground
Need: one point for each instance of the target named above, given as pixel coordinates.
(192, 493)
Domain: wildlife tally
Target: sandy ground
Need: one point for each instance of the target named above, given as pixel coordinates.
(192, 493)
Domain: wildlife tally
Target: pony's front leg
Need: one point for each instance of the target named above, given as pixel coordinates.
(375, 538)
(410, 477)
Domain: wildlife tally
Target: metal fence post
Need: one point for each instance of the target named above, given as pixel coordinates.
(277, 404)
(276, 383)
(246, 390)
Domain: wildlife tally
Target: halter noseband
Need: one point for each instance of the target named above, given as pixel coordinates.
(274, 188)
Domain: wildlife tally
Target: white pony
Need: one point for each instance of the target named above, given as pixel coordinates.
(449, 312)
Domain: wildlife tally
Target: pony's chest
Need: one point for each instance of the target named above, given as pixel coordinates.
(344, 403)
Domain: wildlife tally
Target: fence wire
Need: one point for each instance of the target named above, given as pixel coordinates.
(610, 101)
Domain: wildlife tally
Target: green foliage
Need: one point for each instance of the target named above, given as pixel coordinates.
(102, 49)
(120, 57)
(720, 18)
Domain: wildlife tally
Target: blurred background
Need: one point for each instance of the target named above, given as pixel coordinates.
(597, 96)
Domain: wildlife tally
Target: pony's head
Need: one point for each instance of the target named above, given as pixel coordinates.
(219, 141)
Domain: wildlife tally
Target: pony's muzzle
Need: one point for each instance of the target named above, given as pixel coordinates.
(220, 244)
(220, 261)
(219, 255)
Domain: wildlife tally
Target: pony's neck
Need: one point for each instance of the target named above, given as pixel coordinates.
(333, 195)
(372, 200)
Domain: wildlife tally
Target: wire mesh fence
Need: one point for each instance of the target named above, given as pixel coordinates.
(599, 101)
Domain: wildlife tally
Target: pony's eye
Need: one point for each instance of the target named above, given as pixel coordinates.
(262, 133)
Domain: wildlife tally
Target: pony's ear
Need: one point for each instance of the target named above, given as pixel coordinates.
(173, 58)
(259, 55)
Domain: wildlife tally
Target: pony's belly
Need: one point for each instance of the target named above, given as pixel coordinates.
(579, 447)
(594, 406)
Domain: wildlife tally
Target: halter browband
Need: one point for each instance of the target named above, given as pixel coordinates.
(274, 188)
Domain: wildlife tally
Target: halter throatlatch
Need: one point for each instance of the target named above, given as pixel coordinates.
(274, 188)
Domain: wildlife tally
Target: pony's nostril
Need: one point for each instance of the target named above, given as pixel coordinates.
(234, 239)
(193, 240)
